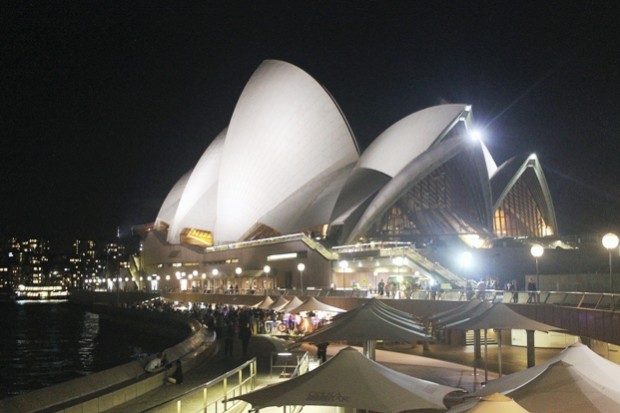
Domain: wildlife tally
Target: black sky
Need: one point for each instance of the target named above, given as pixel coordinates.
(106, 104)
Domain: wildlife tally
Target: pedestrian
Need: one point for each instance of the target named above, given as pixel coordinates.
(321, 352)
(229, 335)
(177, 375)
(531, 290)
(481, 290)
(515, 292)
(469, 291)
(381, 287)
(155, 364)
(245, 333)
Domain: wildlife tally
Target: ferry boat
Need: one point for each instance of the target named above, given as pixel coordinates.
(41, 292)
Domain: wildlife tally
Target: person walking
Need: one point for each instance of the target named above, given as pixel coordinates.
(481, 290)
(531, 290)
(245, 333)
(321, 352)
(515, 291)
(229, 335)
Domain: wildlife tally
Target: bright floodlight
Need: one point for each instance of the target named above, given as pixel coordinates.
(215, 272)
(475, 134)
(238, 270)
(301, 266)
(466, 259)
(610, 241)
(537, 251)
(266, 269)
(343, 264)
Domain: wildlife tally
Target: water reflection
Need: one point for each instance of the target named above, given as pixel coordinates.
(47, 343)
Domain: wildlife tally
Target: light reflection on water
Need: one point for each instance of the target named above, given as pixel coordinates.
(44, 343)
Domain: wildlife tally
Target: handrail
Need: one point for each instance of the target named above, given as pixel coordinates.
(579, 299)
(243, 386)
(317, 246)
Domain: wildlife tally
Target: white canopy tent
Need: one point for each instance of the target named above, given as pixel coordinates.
(295, 302)
(264, 304)
(351, 380)
(369, 322)
(312, 304)
(576, 380)
(279, 304)
(497, 403)
(499, 317)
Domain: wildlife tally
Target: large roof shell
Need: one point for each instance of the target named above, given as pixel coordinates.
(415, 171)
(285, 131)
(168, 209)
(196, 208)
(410, 150)
(410, 137)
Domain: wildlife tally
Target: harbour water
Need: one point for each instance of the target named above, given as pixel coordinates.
(45, 343)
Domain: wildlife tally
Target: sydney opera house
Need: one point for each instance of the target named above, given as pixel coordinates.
(284, 198)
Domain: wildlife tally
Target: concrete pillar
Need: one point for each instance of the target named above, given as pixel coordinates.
(477, 351)
(531, 350)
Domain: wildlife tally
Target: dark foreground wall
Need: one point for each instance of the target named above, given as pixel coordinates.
(103, 390)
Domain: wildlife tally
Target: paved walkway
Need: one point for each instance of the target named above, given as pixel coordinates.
(447, 365)
(260, 347)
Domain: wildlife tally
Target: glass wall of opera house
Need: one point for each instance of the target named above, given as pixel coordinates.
(283, 198)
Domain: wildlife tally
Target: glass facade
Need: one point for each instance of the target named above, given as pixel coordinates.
(520, 214)
(446, 202)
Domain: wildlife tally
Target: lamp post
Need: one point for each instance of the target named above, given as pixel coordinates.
(238, 271)
(266, 269)
(301, 267)
(610, 242)
(537, 252)
(344, 264)
(214, 272)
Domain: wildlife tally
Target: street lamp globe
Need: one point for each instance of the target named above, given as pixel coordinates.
(301, 267)
(610, 242)
(537, 251)
(266, 270)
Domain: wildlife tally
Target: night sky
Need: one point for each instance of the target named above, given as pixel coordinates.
(105, 104)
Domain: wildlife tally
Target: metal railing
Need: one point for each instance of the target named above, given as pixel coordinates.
(289, 363)
(578, 299)
(213, 396)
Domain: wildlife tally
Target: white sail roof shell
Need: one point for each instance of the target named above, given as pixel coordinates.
(410, 137)
(196, 208)
(169, 207)
(285, 131)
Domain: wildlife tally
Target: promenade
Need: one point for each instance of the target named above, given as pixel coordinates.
(447, 365)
